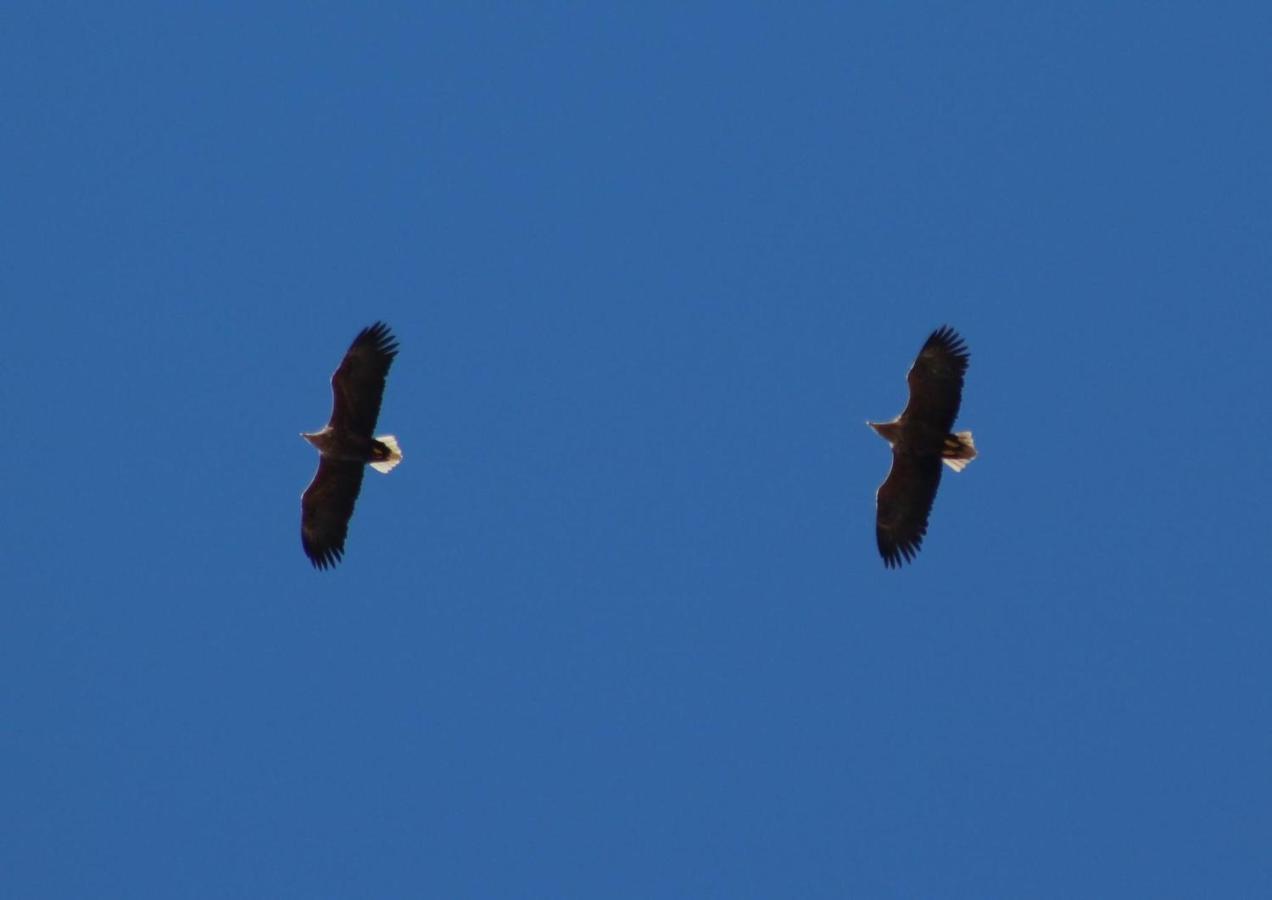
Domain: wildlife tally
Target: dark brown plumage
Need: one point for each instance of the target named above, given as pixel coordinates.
(921, 441)
(346, 445)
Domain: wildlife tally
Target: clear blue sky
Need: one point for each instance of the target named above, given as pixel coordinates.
(617, 627)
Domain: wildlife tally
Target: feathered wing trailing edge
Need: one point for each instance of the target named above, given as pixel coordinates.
(921, 441)
(346, 445)
(936, 381)
(326, 508)
(903, 503)
(357, 386)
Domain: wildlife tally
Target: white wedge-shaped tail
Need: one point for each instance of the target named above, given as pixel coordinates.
(958, 451)
(395, 454)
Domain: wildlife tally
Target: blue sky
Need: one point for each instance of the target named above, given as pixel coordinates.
(617, 627)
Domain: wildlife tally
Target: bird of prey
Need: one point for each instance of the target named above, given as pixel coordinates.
(921, 441)
(346, 445)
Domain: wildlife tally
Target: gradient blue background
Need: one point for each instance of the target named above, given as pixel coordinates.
(618, 627)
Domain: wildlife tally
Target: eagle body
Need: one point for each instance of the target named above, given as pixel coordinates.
(347, 445)
(351, 447)
(921, 442)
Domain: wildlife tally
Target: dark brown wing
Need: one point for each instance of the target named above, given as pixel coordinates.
(936, 381)
(326, 507)
(358, 385)
(903, 503)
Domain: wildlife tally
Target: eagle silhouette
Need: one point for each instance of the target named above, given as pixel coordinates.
(921, 441)
(346, 445)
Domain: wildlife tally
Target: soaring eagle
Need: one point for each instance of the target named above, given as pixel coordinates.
(921, 441)
(346, 445)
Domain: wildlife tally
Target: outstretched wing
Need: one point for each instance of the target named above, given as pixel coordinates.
(936, 381)
(358, 385)
(903, 503)
(325, 510)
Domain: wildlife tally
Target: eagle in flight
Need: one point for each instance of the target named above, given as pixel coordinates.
(921, 441)
(346, 445)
